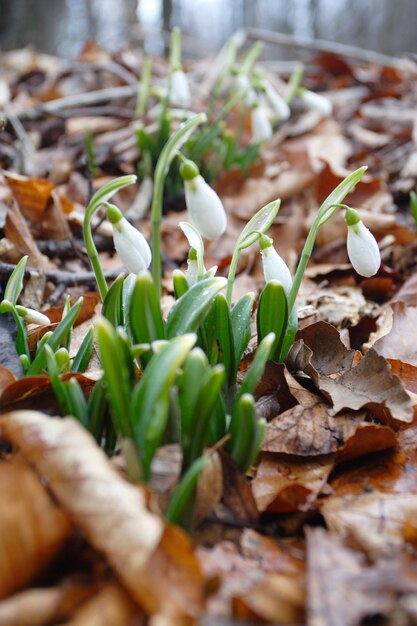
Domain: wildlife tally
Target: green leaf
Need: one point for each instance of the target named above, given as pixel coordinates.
(151, 397)
(185, 491)
(194, 371)
(145, 317)
(57, 385)
(15, 283)
(97, 409)
(117, 373)
(242, 430)
(272, 315)
(338, 195)
(55, 339)
(180, 284)
(82, 358)
(260, 223)
(413, 206)
(189, 311)
(290, 333)
(112, 304)
(220, 337)
(257, 367)
(22, 346)
(209, 391)
(77, 402)
(241, 316)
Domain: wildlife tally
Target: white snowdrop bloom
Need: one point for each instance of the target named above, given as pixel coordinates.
(32, 316)
(261, 125)
(316, 102)
(180, 91)
(273, 264)
(277, 103)
(131, 246)
(362, 247)
(203, 204)
(243, 84)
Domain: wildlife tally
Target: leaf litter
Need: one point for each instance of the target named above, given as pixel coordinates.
(322, 531)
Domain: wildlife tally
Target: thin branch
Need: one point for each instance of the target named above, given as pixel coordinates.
(322, 45)
(58, 276)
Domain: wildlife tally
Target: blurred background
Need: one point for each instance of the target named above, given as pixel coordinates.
(61, 26)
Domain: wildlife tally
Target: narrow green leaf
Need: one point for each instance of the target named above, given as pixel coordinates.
(112, 304)
(185, 490)
(242, 430)
(194, 371)
(15, 283)
(151, 397)
(338, 195)
(117, 373)
(77, 401)
(180, 284)
(221, 337)
(55, 339)
(22, 346)
(260, 223)
(241, 316)
(82, 358)
(57, 385)
(145, 316)
(189, 311)
(97, 409)
(272, 315)
(290, 333)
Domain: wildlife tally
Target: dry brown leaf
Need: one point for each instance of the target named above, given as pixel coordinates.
(372, 385)
(17, 231)
(342, 589)
(32, 194)
(310, 431)
(397, 344)
(155, 563)
(32, 528)
(112, 606)
(237, 494)
(367, 438)
(286, 484)
(42, 607)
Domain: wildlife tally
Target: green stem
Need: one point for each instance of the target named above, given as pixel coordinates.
(144, 87)
(232, 274)
(294, 83)
(175, 52)
(168, 153)
(305, 257)
(250, 59)
(101, 196)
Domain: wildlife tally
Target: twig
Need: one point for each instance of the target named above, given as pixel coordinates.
(107, 111)
(322, 45)
(57, 276)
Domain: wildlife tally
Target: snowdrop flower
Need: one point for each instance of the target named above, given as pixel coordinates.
(192, 270)
(274, 266)
(179, 95)
(261, 126)
(32, 317)
(316, 102)
(243, 84)
(203, 204)
(131, 246)
(362, 247)
(279, 106)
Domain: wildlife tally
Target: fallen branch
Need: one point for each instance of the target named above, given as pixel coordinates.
(58, 276)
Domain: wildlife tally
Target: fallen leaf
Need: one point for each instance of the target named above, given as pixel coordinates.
(33, 529)
(366, 439)
(32, 194)
(112, 606)
(111, 512)
(396, 344)
(370, 385)
(237, 494)
(285, 484)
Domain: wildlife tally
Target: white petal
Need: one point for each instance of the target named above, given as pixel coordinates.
(261, 126)
(317, 102)
(275, 268)
(131, 247)
(35, 317)
(280, 107)
(205, 208)
(243, 84)
(180, 91)
(363, 250)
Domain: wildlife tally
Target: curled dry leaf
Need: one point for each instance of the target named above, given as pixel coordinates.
(287, 484)
(112, 606)
(372, 385)
(397, 344)
(41, 607)
(366, 439)
(32, 194)
(342, 589)
(32, 528)
(155, 563)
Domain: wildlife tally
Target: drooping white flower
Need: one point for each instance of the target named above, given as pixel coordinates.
(131, 246)
(276, 101)
(179, 95)
(316, 102)
(274, 266)
(203, 204)
(32, 316)
(362, 247)
(261, 125)
(243, 84)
